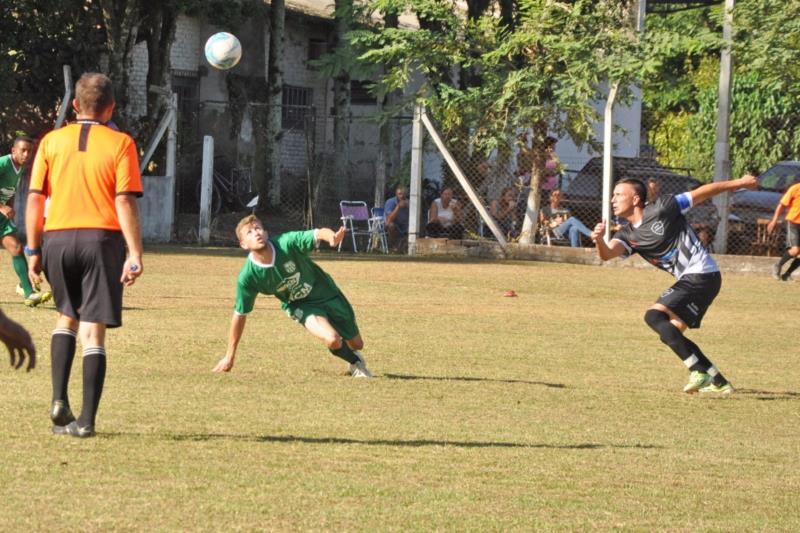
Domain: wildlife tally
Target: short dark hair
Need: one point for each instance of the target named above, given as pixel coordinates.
(639, 188)
(22, 139)
(94, 92)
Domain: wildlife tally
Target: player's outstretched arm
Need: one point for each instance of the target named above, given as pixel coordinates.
(18, 341)
(709, 190)
(234, 336)
(128, 213)
(333, 238)
(606, 251)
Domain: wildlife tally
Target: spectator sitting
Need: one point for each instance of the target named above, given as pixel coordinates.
(395, 210)
(444, 217)
(561, 221)
(504, 210)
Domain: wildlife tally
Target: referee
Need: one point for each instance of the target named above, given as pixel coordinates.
(90, 172)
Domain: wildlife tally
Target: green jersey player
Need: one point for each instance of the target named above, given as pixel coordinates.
(12, 168)
(280, 266)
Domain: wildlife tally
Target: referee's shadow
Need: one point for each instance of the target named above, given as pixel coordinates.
(468, 378)
(766, 395)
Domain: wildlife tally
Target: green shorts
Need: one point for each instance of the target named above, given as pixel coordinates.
(337, 310)
(6, 227)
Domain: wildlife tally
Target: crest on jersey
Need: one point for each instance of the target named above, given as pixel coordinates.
(290, 267)
(657, 227)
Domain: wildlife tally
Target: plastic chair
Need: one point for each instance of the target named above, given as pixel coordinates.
(378, 228)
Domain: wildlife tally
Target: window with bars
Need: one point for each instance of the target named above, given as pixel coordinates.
(296, 106)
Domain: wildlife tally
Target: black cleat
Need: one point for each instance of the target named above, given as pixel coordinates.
(60, 413)
(74, 430)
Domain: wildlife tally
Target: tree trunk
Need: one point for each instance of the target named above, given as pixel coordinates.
(161, 23)
(538, 159)
(121, 18)
(269, 182)
(341, 103)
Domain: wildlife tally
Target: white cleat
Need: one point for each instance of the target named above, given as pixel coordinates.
(359, 368)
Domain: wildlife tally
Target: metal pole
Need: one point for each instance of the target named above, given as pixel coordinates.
(172, 150)
(465, 184)
(414, 203)
(62, 111)
(722, 163)
(608, 162)
(204, 231)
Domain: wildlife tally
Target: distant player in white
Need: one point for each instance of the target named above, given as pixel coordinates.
(659, 232)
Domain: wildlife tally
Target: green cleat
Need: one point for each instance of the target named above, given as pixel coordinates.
(697, 380)
(719, 389)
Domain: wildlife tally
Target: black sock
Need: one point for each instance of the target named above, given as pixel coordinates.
(690, 354)
(792, 268)
(345, 352)
(785, 257)
(94, 375)
(62, 353)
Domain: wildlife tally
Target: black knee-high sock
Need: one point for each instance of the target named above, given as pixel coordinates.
(345, 352)
(62, 353)
(712, 370)
(688, 351)
(792, 267)
(94, 376)
(782, 261)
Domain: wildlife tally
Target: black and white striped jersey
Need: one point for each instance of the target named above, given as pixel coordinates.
(666, 240)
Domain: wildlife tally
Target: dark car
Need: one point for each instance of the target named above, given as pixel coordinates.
(584, 194)
(747, 207)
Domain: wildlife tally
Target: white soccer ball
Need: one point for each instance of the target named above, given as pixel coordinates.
(223, 50)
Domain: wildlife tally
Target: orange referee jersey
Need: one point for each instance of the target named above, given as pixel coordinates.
(82, 167)
(791, 200)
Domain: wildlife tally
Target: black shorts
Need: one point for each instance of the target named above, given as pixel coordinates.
(792, 234)
(691, 296)
(83, 267)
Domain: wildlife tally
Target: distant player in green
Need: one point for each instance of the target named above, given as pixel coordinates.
(12, 167)
(280, 266)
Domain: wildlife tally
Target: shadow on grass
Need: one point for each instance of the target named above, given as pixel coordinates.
(417, 443)
(463, 378)
(766, 395)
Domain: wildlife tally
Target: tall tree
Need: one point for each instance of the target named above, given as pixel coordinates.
(268, 183)
(543, 74)
(343, 21)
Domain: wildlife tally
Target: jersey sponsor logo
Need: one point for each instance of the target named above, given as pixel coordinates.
(292, 286)
(657, 227)
(289, 267)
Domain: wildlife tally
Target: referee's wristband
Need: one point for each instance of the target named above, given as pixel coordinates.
(32, 251)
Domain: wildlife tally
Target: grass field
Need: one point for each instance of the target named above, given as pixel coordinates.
(555, 410)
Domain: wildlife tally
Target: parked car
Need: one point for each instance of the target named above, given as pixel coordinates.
(747, 207)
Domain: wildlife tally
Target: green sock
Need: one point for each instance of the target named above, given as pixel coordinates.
(21, 268)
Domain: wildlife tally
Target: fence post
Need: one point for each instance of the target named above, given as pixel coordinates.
(722, 163)
(172, 151)
(204, 231)
(416, 180)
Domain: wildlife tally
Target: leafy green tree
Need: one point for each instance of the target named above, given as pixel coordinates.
(543, 74)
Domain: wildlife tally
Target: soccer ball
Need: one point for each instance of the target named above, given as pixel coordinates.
(223, 50)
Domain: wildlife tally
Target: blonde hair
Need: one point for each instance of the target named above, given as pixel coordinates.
(94, 93)
(246, 221)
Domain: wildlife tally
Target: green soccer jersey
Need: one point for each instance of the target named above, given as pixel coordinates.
(292, 276)
(9, 178)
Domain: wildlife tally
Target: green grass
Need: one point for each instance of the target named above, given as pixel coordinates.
(556, 410)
